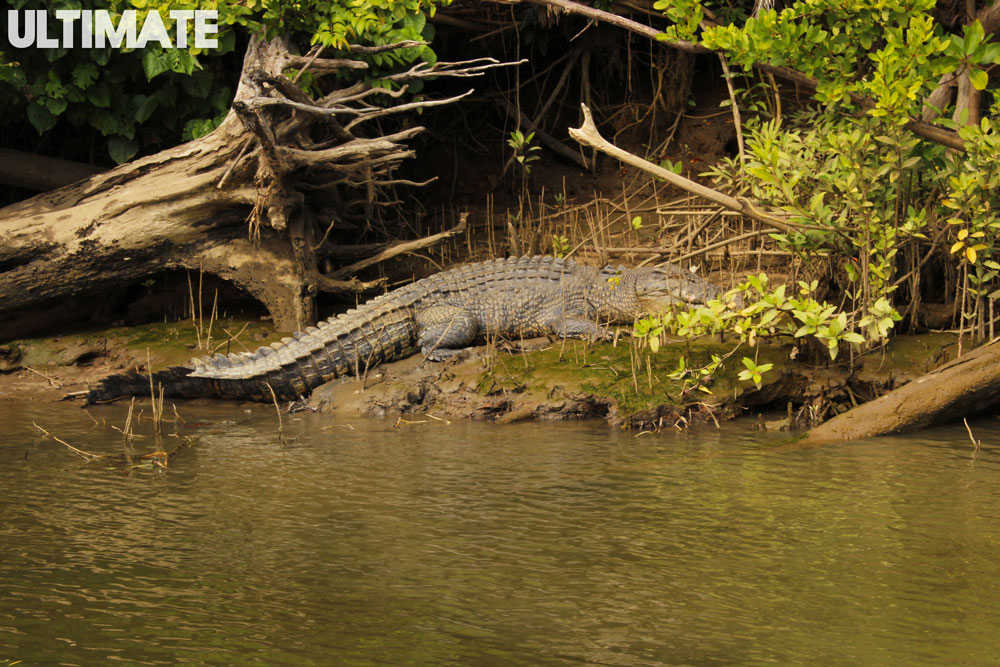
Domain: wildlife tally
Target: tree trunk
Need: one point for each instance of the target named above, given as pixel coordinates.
(231, 203)
(965, 386)
(160, 212)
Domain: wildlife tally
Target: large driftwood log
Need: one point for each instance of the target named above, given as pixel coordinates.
(160, 212)
(233, 203)
(965, 386)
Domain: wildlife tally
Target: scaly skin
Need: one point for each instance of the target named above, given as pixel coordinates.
(438, 316)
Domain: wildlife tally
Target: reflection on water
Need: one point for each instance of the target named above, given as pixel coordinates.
(467, 543)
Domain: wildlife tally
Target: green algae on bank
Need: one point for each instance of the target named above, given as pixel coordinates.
(48, 367)
(623, 383)
(640, 388)
(626, 385)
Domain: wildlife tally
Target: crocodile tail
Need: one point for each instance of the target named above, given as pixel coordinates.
(174, 382)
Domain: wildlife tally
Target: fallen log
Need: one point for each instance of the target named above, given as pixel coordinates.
(963, 387)
(41, 173)
(248, 202)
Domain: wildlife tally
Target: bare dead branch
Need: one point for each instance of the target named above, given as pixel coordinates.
(260, 102)
(352, 286)
(86, 456)
(588, 135)
(356, 148)
(403, 181)
(406, 107)
(613, 19)
(466, 68)
(324, 66)
(403, 247)
(371, 50)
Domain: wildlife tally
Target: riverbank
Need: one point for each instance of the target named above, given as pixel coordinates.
(621, 383)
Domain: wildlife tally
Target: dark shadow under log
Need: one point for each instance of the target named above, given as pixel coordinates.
(966, 386)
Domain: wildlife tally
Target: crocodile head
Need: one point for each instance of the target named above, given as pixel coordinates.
(662, 286)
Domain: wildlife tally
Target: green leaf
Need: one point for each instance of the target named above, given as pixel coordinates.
(415, 21)
(154, 62)
(144, 108)
(978, 78)
(121, 149)
(107, 123)
(974, 34)
(84, 74)
(221, 98)
(40, 118)
(99, 95)
(990, 54)
(197, 85)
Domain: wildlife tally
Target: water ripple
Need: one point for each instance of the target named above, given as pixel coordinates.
(467, 544)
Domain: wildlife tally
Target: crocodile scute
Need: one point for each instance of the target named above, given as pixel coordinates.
(519, 297)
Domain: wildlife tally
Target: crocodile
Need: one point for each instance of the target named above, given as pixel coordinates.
(438, 316)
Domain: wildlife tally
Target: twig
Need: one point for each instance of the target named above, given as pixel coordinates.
(975, 443)
(51, 381)
(614, 19)
(737, 121)
(423, 104)
(400, 248)
(79, 452)
(232, 338)
(719, 244)
(298, 75)
(232, 166)
(371, 50)
(588, 135)
(277, 408)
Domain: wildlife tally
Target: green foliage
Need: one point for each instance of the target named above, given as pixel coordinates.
(524, 151)
(860, 185)
(753, 371)
(753, 312)
(696, 377)
(970, 207)
(649, 329)
(181, 94)
(676, 167)
(560, 246)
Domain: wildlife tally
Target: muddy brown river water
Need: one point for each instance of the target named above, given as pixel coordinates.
(356, 543)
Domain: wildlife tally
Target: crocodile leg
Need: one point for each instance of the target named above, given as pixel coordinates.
(443, 331)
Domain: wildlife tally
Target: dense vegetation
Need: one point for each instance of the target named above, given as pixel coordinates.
(902, 217)
(144, 100)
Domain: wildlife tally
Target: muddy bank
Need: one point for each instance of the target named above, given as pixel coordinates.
(47, 368)
(538, 379)
(636, 389)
